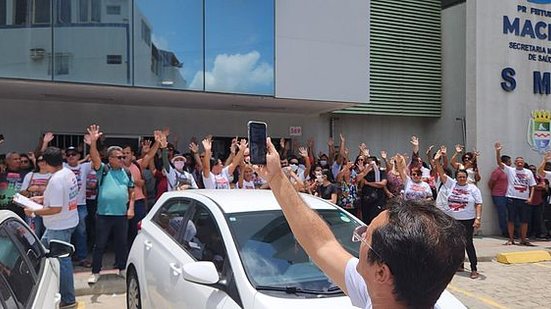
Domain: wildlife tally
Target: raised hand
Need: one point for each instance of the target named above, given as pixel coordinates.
(443, 150)
(233, 146)
(242, 144)
(330, 142)
(166, 132)
(94, 133)
(476, 153)
(458, 148)
(498, 146)
(207, 143)
(273, 164)
(364, 150)
(429, 149)
(547, 156)
(342, 138)
(48, 137)
(414, 140)
(282, 142)
(194, 148)
(438, 155)
(303, 152)
(146, 146)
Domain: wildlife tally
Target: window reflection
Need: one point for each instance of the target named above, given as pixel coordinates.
(239, 46)
(168, 43)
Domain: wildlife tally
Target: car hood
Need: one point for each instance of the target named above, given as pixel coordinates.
(267, 301)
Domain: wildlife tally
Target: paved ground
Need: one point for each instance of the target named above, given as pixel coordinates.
(499, 286)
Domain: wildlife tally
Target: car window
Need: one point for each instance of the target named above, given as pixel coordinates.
(207, 243)
(28, 243)
(7, 299)
(15, 268)
(170, 217)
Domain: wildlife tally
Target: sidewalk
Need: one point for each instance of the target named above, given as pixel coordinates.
(487, 247)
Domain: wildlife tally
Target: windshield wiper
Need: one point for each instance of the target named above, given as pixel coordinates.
(296, 290)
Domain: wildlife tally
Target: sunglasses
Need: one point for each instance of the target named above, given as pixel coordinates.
(415, 174)
(72, 154)
(359, 235)
(119, 157)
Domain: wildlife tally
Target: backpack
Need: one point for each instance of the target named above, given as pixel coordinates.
(105, 170)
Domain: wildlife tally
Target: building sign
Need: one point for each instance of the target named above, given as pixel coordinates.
(539, 131)
(295, 131)
(528, 32)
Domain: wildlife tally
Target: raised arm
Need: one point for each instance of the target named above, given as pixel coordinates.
(458, 150)
(331, 149)
(541, 168)
(439, 168)
(92, 139)
(194, 149)
(233, 149)
(308, 228)
(343, 154)
(303, 152)
(238, 158)
(444, 153)
(207, 145)
(401, 167)
(150, 150)
(498, 148)
(384, 156)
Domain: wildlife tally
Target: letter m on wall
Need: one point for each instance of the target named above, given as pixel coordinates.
(542, 83)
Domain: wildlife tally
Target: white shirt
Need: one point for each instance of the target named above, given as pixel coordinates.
(461, 200)
(176, 178)
(81, 171)
(416, 190)
(220, 181)
(357, 291)
(519, 182)
(62, 191)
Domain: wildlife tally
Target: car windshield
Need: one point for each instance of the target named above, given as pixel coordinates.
(272, 257)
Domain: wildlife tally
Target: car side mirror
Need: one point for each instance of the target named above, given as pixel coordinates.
(201, 272)
(59, 249)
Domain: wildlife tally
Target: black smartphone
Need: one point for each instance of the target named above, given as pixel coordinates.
(257, 141)
(1, 137)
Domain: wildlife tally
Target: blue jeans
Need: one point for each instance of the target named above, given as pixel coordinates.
(104, 226)
(501, 205)
(66, 283)
(81, 250)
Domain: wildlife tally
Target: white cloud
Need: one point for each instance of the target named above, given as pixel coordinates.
(236, 73)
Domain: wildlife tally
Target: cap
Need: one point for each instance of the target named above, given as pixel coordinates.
(178, 157)
(71, 148)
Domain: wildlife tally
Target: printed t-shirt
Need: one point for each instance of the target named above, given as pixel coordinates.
(519, 182)
(416, 190)
(62, 191)
(91, 185)
(10, 183)
(247, 185)
(461, 200)
(36, 179)
(220, 181)
(357, 290)
(81, 172)
(113, 191)
(176, 179)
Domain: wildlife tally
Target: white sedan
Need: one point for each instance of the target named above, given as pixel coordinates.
(29, 273)
(230, 249)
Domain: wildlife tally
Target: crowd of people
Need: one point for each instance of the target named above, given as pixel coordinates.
(117, 185)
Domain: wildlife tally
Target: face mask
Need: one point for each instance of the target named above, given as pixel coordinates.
(323, 162)
(319, 179)
(294, 167)
(179, 165)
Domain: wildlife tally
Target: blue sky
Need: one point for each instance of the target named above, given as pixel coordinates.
(239, 41)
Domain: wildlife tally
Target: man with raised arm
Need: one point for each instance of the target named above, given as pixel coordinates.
(115, 203)
(399, 251)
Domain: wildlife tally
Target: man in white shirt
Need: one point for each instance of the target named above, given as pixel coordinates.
(60, 217)
(520, 191)
(398, 252)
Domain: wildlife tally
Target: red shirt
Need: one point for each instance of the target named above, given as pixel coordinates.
(499, 179)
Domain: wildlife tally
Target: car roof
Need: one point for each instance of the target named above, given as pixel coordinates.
(237, 200)
(6, 214)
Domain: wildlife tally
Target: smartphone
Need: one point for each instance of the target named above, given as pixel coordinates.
(1, 137)
(257, 141)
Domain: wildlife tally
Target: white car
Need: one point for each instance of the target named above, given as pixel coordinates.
(29, 273)
(230, 249)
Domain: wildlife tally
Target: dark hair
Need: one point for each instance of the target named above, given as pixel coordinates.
(327, 173)
(467, 154)
(53, 157)
(422, 247)
(461, 171)
(505, 158)
(129, 146)
(416, 170)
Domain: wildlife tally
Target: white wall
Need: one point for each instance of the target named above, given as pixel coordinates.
(322, 50)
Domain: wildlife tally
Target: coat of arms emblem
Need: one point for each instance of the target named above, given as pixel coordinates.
(539, 131)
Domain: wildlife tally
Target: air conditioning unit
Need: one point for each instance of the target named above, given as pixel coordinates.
(37, 53)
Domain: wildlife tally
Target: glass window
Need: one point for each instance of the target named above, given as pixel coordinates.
(3, 12)
(239, 46)
(207, 244)
(7, 299)
(114, 59)
(271, 255)
(168, 44)
(171, 217)
(84, 46)
(21, 12)
(15, 269)
(28, 243)
(41, 11)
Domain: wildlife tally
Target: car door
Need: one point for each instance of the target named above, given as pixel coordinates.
(160, 243)
(22, 267)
